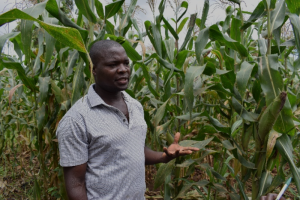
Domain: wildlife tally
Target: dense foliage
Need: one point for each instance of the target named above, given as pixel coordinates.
(231, 89)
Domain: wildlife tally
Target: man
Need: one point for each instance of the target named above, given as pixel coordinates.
(102, 137)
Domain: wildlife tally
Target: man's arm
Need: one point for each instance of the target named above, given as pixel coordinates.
(173, 151)
(75, 182)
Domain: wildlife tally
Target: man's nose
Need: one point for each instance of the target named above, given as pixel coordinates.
(122, 68)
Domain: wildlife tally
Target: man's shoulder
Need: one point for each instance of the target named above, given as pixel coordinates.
(78, 110)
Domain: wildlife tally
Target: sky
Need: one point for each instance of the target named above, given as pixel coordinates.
(216, 13)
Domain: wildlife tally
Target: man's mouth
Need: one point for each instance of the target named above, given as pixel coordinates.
(122, 80)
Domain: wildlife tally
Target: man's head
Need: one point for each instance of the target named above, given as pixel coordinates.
(111, 66)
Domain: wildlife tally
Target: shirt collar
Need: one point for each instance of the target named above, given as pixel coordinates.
(96, 100)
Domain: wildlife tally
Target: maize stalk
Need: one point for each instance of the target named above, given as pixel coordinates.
(265, 125)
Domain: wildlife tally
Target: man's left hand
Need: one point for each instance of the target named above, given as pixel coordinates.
(175, 150)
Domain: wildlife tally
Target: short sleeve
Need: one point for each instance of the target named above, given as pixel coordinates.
(72, 142)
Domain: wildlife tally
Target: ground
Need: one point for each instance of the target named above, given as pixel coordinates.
(16, 181)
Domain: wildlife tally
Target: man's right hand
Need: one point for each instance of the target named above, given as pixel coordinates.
(75, 182)
(271, 196)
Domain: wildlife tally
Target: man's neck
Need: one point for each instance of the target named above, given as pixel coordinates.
(108, 97)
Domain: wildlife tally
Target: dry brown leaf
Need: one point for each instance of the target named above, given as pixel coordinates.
(271, 142)
(2, 184)
(12, 91)
(186, 63)
(27, 141)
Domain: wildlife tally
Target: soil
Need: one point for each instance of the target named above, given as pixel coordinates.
(16, 181)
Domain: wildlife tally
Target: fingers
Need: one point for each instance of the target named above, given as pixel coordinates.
(165, 149)
(176, 138)
(190, 148)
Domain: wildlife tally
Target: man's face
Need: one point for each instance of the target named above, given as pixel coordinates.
(112, 70)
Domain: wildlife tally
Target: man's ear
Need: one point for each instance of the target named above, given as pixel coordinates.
(93, 70)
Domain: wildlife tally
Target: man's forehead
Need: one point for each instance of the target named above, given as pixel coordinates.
(113, 53)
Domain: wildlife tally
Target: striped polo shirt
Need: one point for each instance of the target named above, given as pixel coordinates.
(100, 135)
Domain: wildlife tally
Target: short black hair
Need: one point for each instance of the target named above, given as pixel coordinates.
(100, 46)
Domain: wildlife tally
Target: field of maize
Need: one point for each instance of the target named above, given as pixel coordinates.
(232, 89)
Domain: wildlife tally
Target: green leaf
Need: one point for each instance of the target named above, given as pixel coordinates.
(135, 25)
(50, 41)
(277, 15)
(154, 36)
(161, 9)
(258, 12)
(99, 9)
(44, 87)
(187, 116)
(5, 37)
(170, 28)
(227, 144)
(163, 171)
(242, 160)
(186, 163)
(65, 35)
(204, 14)
(201, 42)
(83, 6)
(148, 80)
(185, 5)
(215, 34)
(295, 21)
(78, 85)
(73, 57)
(249, 116)
(40, 117)
(243, 76)
(262, 46)
(235, 126)
(130, 51)
(191, 74)
(241, 186)
(284, 146)
(181, 59)
(235, 29)
(217, 175)
(113, 8)
(226, 24)
(186, 187)
(265, 182)
(181, 25)
(36, 10)
(190, 31)
(126, 16)
(194, 143)
(160, 113)
(222, 92)
(170, 48)
(28, 82)
(56, 12)
(57, 92)
(164, 62)
(294, 6)
(272, 84)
